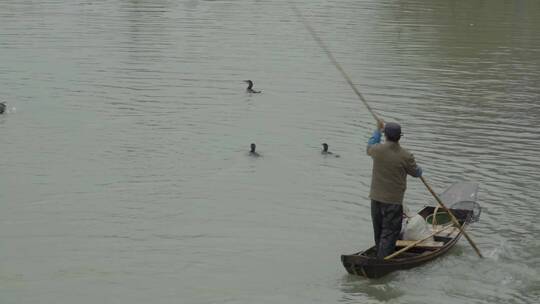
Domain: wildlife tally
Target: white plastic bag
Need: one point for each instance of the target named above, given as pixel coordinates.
(416, 229)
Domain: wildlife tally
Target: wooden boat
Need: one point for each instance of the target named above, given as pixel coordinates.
(366, 264)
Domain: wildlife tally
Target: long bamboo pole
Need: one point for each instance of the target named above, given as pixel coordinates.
(333, 59)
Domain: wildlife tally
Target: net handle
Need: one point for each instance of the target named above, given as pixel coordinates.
(434, 217)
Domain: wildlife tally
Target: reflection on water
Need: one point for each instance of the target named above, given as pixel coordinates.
(125, 167)
(379, 290)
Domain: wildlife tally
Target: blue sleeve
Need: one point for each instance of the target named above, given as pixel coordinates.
(418, 172)
(374, 139)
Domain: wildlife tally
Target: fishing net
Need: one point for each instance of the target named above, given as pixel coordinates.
(462, 191)
(461, 198)
(473, 208)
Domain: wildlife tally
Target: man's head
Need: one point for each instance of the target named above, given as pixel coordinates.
(392, 131)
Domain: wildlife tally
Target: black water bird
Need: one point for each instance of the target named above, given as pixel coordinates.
(250, 87)
(252, 152)
(2, 107)
(326, 152)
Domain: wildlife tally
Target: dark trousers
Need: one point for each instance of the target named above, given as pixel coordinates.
(386, 226)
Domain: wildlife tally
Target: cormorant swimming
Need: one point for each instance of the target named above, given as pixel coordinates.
(2, 107)
(326, 152)
(250, 87)
(252, 152)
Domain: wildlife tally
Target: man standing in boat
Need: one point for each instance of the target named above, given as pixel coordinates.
(391, 164)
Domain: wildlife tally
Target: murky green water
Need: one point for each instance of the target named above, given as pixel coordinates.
(124, 170)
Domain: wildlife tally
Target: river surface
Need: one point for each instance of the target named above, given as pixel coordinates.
(124, 172)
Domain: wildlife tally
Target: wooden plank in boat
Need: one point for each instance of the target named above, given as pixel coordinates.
(403, 243)
(450, 232)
